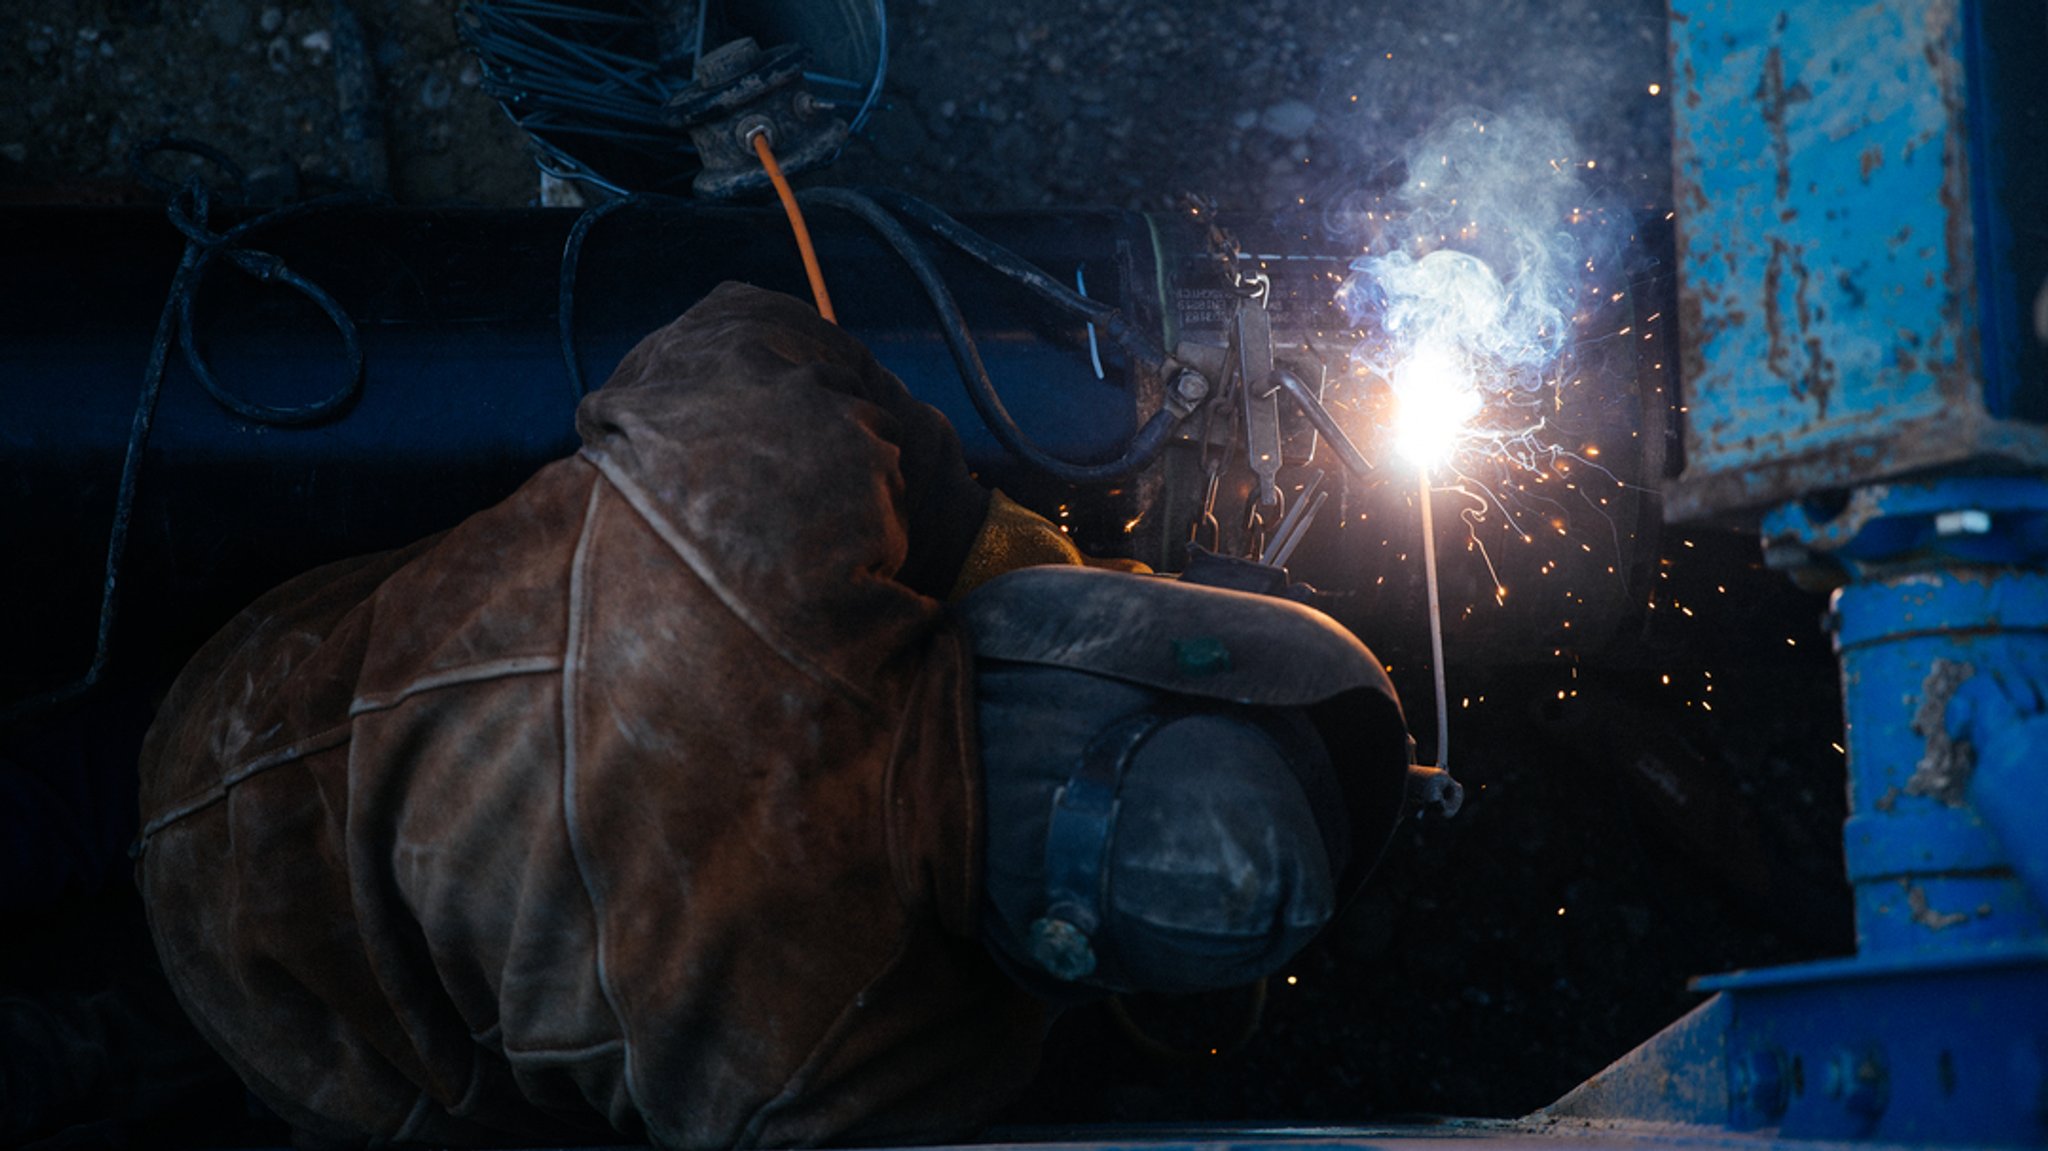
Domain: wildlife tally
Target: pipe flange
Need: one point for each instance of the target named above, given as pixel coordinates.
(740, 91)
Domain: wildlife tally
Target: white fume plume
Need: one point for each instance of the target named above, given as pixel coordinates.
(1467, 287)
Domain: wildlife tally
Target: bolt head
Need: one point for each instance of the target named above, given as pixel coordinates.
(1760, 1082)
(1967, 522)
(1061, 948)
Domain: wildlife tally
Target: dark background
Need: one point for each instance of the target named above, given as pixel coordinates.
(1665, 807)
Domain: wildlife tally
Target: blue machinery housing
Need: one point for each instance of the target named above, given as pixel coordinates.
(1861, 204)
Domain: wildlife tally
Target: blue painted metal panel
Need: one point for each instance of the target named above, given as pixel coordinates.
(1903, 1050)
(1832, 283)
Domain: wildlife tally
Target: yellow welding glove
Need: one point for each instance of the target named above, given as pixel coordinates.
(1013, 536)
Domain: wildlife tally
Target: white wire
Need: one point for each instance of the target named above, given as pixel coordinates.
(1436, 628)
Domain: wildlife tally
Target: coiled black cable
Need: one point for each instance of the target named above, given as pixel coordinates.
(188, 211)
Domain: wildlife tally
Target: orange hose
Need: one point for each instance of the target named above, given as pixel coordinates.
(796, 224)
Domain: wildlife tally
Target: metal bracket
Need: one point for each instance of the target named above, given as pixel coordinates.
(1260, 395)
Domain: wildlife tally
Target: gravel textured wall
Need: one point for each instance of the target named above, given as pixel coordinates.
(988, 105)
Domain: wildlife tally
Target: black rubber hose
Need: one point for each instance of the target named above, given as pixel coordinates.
(188, 212)
(1142, 449)
(1008, 264)
(565, 310)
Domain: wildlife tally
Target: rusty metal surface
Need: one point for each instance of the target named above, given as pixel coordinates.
(1830, 289)
(1679, 1076)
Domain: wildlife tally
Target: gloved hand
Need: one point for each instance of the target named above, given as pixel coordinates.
(740, 332)
(1013, 536)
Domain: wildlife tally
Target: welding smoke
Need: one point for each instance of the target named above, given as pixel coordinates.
(1471, 268)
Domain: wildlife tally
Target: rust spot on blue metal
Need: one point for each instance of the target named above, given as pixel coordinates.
(1774, 98)
(1828, 258)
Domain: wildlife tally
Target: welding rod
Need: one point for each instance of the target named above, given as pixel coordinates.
(1436, 628)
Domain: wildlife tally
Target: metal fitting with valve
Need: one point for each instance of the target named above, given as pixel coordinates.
(739, 92)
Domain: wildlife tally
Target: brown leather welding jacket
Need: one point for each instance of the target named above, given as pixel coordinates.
(645, 802)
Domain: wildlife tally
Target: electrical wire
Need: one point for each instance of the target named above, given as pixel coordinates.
(589, 81)
(1001, 260)
(565, 299)
(188, 211)
(981, 390)
(1141, 450)
(759, 139)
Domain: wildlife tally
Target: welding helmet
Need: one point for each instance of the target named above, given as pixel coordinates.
(1183, 784)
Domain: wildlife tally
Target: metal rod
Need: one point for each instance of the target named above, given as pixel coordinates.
(1284, 550)
(1436, 627)
(1293, 517)
(1325, 423)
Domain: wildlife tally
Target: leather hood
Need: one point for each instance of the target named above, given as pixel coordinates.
(1210, 643)
(1158, 632)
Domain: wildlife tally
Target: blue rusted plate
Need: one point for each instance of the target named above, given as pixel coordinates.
(1831, 288)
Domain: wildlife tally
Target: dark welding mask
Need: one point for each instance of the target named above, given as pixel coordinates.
(1183, 784)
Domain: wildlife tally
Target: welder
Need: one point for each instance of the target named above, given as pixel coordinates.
(751, 777)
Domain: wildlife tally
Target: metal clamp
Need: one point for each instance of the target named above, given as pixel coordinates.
(1260, 395)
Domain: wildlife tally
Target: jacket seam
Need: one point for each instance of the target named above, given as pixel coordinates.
(571, 682)
(694, 558)
(218, 791)
(341, 733)
(974, 796)
(522, 1054)
(422, 1107)
(455, 677)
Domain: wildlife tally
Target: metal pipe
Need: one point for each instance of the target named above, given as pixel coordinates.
(1324, 422)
